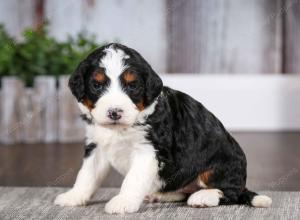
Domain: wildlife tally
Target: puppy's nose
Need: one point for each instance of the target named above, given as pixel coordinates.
(115, 113)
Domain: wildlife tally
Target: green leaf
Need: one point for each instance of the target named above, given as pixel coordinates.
(41, 54)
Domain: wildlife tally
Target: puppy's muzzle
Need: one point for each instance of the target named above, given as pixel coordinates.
(114, 114)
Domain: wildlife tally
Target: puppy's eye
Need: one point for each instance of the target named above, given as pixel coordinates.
(131, 86)
(97, 86)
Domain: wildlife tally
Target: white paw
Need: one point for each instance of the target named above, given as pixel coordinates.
(205, 198)
(121, 204)
(70, 198)
(261, 201)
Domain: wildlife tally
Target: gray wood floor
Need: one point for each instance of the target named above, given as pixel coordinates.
(273, 162)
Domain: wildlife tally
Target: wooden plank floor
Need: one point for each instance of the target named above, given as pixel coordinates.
(273, 162)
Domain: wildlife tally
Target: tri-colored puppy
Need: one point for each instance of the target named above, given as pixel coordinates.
(167, 145)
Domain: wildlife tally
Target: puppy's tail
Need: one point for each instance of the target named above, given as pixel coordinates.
(253, 199)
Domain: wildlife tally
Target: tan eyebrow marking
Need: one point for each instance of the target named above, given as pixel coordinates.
(99, 76)
(129, 76)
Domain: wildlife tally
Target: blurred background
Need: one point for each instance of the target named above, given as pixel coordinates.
(240, 58)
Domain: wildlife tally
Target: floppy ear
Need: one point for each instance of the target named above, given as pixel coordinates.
(76, 81)
(154, 86)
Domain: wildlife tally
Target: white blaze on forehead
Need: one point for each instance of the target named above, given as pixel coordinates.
(114, 62)
(114, 96)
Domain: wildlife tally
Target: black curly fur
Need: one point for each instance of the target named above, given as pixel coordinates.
(190, 140)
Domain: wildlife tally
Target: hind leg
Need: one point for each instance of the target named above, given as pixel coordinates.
(231, 180)
(223, 184)
(205, 198)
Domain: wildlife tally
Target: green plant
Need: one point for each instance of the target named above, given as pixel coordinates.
(7, 52)
(41, 54)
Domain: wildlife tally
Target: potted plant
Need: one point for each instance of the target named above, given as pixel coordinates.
(36, 104)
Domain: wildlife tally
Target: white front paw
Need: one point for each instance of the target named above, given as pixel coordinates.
(121, 204)
(71, 198)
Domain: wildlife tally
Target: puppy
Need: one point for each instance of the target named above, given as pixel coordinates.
(167, 145)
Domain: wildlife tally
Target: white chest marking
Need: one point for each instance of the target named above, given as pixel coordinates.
(118, 144)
